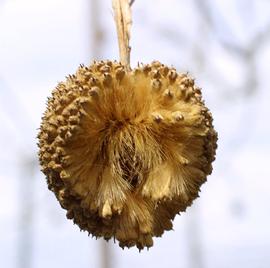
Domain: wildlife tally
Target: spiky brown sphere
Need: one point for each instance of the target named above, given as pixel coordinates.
(124, 152)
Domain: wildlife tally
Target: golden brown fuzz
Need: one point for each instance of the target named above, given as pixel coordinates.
(124, 152)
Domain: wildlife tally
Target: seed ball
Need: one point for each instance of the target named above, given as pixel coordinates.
(125, 151)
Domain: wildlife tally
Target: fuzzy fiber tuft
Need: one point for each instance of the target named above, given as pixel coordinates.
(125, 151)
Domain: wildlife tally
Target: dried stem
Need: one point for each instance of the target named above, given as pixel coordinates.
(123, 21)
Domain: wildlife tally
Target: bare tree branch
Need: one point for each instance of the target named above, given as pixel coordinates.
(259, 39)
(96, 32)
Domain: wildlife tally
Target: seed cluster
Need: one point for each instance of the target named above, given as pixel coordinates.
(125, 151)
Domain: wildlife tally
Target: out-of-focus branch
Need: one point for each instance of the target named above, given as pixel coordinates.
(247, 53)
(105, 255)
(96, 31)
(261, 38)
(204, 9)
(26, 213)
(9, 100)
(254, 46)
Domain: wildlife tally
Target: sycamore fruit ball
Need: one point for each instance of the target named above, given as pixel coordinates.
(124, 151)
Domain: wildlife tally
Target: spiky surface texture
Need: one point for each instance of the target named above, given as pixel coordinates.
(124, 152)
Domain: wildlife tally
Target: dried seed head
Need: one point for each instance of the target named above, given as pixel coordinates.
(115, 164)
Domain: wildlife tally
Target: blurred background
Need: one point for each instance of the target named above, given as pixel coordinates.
(225, 44)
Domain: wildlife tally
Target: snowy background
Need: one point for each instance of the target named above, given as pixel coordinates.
(225, 44)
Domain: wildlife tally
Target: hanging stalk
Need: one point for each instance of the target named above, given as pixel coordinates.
(123, 21)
